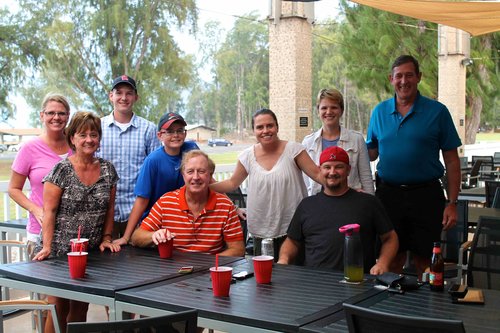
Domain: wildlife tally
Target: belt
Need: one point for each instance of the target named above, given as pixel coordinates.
(410, 186)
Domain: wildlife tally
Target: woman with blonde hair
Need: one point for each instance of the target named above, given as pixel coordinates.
(36, 158)
(330, 106)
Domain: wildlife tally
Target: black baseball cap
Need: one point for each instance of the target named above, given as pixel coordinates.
(124, 79)
(168, 119)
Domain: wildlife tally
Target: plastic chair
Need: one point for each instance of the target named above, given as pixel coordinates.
(483, 268)
(496, 199)
(490, 189)
(496, 160)
(181, 322)
(6, 246)
(238, 198)
(487, 169)
(469, 179)
(31, 305)
(361, 320)
(452, 239)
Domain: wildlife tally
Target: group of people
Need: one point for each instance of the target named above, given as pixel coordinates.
(125, 180)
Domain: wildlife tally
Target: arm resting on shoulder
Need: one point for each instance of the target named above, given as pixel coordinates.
(288, 251)
(234, 249)
(231, 184)
(388, 251)
(306, 164)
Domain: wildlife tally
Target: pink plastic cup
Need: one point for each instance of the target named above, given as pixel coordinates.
(165, 249)
(75, 244)
(263, 268)
(221, 280)
(77, 262)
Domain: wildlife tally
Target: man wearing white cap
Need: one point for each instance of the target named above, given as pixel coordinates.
(126, 141)
(317, 220)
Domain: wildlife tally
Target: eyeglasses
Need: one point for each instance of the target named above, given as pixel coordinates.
(171, 132)
(52, 114)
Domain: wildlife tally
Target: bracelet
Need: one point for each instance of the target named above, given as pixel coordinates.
(107, 241)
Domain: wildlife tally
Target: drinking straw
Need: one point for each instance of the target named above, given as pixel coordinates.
(79, 231)
(81, 245)
(217, 262)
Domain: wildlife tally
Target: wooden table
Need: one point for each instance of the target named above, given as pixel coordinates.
(423, 303)
(296, 296)
(106, 273)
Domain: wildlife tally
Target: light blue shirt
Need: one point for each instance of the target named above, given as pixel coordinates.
(127, 149)
(409, 146)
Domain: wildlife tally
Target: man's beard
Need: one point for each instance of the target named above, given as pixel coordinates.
(334, 186)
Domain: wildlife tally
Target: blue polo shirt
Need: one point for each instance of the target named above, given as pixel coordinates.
(409, 146)
(161, 173)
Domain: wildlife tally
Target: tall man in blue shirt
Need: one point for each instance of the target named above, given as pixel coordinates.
(127, 140)
(407, 133)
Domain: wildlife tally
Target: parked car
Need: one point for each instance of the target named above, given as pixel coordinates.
(219, 142)
(3, 148)
(14, 148)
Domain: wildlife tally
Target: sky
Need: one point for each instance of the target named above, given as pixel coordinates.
(224, 11)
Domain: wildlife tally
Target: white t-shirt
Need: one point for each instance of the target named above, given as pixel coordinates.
(273, 195)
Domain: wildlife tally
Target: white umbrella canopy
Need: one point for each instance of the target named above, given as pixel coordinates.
(474, 17)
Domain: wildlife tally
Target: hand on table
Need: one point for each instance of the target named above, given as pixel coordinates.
(161, 236)
(108, 245)
(43, 254)
(378, 269)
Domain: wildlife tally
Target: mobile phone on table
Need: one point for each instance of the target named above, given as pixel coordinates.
(186, 270)
(242, 275)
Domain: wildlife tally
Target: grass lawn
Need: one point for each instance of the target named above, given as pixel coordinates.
(491, 137)
(225, 158)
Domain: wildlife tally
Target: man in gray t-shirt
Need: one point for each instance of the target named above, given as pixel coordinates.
(317, 220)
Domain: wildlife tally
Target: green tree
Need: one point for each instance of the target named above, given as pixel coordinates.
(18, 53)
(240, 75)
(374, 38)
(482, 83)
(90, 42)
(330, 70)
(243, 72)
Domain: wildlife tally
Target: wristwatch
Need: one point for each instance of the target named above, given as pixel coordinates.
(452, 202)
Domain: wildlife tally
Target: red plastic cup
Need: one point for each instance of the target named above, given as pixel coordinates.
(77, 262)
(165, 249)
(75, 244)
(221, 280)
(263, 268)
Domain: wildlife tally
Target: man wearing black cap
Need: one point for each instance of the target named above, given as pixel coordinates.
(126, 141)
(316, 222)
(160, 172)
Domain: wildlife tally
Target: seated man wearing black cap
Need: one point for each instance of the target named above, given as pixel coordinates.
(317, 220)
(160, 172)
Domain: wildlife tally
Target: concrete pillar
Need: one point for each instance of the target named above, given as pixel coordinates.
(454, 52)
(290, 67)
